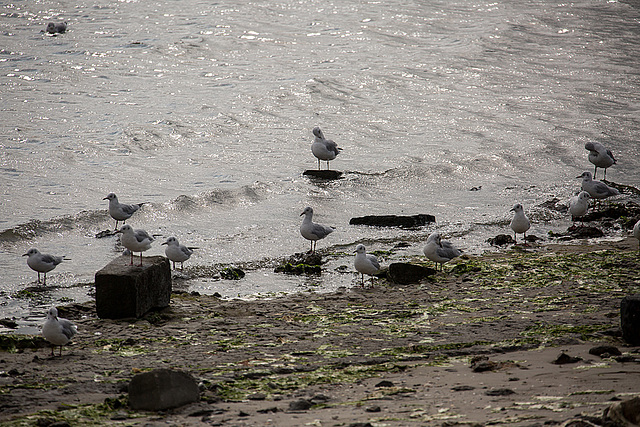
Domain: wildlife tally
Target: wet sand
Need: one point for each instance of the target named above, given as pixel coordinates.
(389, 355)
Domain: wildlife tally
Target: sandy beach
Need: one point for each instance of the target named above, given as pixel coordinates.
(473, 346)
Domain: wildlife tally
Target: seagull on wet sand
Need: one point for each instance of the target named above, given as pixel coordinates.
(596, 189)
(312, 231)
(636, 233)
(579, 205)
(600, 157)
(135, 240)
(120, 211)
(440, 251)
(176, 252)
(323, 149)
(365, 263)
(57, 331)
(520, 223)
(42, 263)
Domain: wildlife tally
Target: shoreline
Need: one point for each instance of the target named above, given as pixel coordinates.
(253, 358)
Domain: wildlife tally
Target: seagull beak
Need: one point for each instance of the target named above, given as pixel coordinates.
(165, 243)
(579, 176)
(302, 214)
(25, 254)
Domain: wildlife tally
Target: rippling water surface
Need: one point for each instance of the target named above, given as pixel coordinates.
(204, 111)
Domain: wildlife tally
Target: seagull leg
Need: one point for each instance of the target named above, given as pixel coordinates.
(318, 164)
(595, 172)
(38, 276)
(131, 258)
(44, 282)
(140, 259)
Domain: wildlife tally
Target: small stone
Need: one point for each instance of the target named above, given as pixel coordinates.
(273, 409)
(373, 409)
(603, 350)
(243, 414)
(404, 273)
(257, 396)
(463, 388)
(300, 405)
(384, 383)
(500, 240)
(484, 365)
(565, 358)
(499, 392)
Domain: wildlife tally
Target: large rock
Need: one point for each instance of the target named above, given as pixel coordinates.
(407, 221)
(405, 274)
(124, 290)
(630, 319)
(162, 389)
(623, 414)
(323, 174)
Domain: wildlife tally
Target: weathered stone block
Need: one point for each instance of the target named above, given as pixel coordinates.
(124, 290)
(630, 319)
(162, 389)
(405, 274)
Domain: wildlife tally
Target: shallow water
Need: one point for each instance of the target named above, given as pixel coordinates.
(205, 111)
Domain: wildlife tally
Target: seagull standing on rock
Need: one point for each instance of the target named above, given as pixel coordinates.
(135, 240)
(636, 233)
(323, 149)
(312, 231)
(440, 251)
(42, 263)
(120, 211)
(579, 205)
(57, 331)
(520, 223)
(365, 263)
(596, 189)
(176, 252)
(600, 157)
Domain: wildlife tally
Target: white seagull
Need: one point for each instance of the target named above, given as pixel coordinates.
(312, 231)
(600, 157)
(135, 240)
(636, 233)
(520, 223)
(57, 331)
(42, 263)
(120, 211)
(579, 205)
(440, 251)
(176, 252)
(596, 189)
(365, 263)
(324, 149)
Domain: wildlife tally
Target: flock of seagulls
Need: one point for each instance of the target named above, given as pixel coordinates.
(60, 331)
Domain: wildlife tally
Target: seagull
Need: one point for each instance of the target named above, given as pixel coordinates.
(636, 233)
(596, 189)
(600, 157)
(42, 263)
(365, 263)
(324, 149)
(440, 251)
(120, 211)
(176, 252)
(312, 231)
(579, 205)
(520, 223)
(135, 240)
(57, 331)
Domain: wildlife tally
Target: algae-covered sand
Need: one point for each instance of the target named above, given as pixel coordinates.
(389, 356)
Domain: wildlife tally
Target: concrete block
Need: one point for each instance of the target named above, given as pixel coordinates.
(630, 319)
(124, 290)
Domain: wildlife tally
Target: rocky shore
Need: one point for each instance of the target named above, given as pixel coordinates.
(390, 355)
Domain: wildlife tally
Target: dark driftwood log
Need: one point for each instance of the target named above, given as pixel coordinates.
(394, 220)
